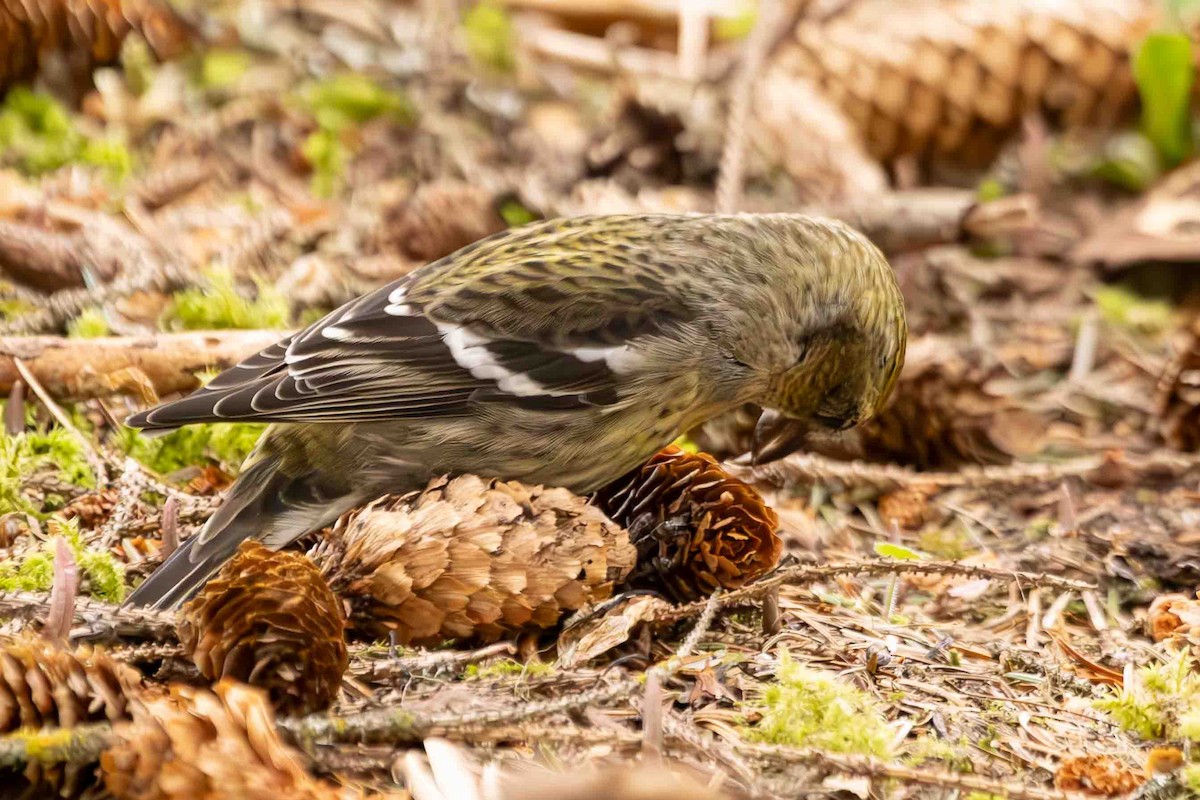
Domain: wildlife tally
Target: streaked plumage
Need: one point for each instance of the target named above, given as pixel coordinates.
(566, 353)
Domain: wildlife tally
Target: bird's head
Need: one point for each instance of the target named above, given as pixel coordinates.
(836, 350)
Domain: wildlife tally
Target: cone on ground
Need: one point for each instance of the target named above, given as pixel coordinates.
(43, 686)
(470, 558)
(695, 526)
(952, 80)
(439, 218)
(195, 744)
(271, 620)
(84, 34)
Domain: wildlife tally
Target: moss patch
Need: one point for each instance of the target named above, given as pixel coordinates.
(26, 454)
(37, 135)
(807, 708)
(223, 443)
(221, 305)
(104, 576)
(90, 324)
(1161, 703)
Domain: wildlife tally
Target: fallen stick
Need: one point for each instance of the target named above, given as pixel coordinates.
(78, 369)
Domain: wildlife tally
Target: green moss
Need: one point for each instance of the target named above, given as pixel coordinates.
(350, 98)
(948, 543)
(508, 668)
(924, 749)
(515, 215)
(1161, 703)
(34, 451)
(738, 26)
(327, 155)
(224, 443)
(1189, 776)
(35, 572)
(90, 324)
(806, 708)
(221, 305)
(37, 135)
(491, 40)
(220, 68)
(1124, 308)
(339, 104)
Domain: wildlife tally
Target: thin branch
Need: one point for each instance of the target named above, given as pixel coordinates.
(80, 744)
(805, 574)
(873, 768)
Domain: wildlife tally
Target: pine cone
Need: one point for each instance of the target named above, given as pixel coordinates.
(83, 33)
(42, 686)
(472, 558)
(94, 508)
(199, 745)
(907, 508)
(439, 218)
(942, 415)
(269, 619)
(1100, 775)
(695, 526)
(953, 79)
(1177, 406)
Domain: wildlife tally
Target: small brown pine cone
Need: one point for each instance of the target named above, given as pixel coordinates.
(943, 415)
(439, 218)
(269, 619)
(43, 686)
(695, 526)
(469, 558)
(1101, 775)
(83, 34)
(195, 744)
(1172, 614)
(92, 509)
(907, 508)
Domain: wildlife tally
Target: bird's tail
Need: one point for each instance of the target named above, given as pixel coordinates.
(265, 503)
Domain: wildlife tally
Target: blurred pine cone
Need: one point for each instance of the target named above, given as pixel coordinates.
(439, 218)
(472, 558)
(695, 526)
(1177, 406)
(953, 79)
(43, 686)
(943, 414)
(83, 34)
(194, 744)
(94, 508)
(269, 619)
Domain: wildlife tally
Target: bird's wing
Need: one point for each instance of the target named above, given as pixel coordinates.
(538, 317)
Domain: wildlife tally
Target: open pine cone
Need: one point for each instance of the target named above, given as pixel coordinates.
(439, 218)
(269, 619)
(43, 686)
(194, 744)
(469, 558)
(695, 526)
(84, 34)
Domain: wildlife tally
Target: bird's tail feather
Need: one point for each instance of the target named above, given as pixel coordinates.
(264, 504)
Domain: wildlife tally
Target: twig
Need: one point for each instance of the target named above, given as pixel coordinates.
(79, 744)
(873, 768)
(805, 574)
(103, 619)
(396, 725)
(731, 173)
(95, 460)
(807, 468)
(424, 662)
